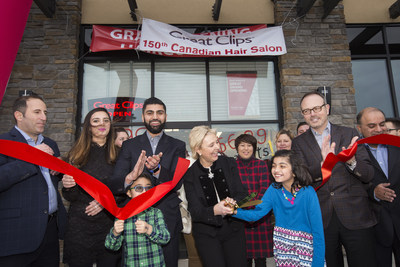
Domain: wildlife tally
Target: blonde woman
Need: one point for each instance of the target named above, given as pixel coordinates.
(212, 179)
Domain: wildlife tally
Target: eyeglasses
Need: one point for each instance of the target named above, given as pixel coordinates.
(140, 188)
(389, 130)
(316, 109)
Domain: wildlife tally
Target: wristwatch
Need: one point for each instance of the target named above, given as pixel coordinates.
(156, 169)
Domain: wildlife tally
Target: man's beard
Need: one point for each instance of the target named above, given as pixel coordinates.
(154, 129)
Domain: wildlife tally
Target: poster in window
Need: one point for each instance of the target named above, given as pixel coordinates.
(243, 97)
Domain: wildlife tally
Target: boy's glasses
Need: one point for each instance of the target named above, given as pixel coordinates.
(139, 188)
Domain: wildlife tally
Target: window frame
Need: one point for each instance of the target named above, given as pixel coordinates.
(387, 56)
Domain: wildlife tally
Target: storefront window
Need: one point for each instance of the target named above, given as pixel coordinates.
(396, 78)
(371, 83)
(232, 94)
(375, 51)
(243, 91)
(227, 133)
(182, 87)
(118, 87)
(264, 133)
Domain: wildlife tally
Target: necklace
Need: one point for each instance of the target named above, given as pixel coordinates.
(210, 174)
(294, 195)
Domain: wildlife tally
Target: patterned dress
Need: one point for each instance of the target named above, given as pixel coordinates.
(298, 233)
(255, 175)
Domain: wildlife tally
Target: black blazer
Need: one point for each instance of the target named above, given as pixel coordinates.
(203, 218)
(24, 202)
(346, 191)
(388, 213)
(172, 149)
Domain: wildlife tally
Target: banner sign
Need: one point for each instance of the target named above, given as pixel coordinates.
(243, 94)
(106, 38)
(160, 37)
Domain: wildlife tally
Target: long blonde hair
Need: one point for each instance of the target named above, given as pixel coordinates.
(79, 153)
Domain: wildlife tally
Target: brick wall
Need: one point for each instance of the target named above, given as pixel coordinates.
(318, 55)
(47, 64)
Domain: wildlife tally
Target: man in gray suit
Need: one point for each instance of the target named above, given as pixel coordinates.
(346, 214)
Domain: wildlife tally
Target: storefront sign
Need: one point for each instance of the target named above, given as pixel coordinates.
(160, 37)
(106, 38)
(121, 109)
(243, 94)
(164, 39)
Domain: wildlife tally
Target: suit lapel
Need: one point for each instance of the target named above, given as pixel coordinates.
(144, 140)
(162, 144)
(393, 154)
(375, 162)
(17, 136)
(336, 137)
(313, 145)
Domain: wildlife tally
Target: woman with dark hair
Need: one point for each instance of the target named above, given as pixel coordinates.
(255, 175)
(88, 223)
(121, 135)
(210, 184)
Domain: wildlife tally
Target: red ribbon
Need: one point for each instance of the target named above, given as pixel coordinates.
(91, 185)
(345, 155)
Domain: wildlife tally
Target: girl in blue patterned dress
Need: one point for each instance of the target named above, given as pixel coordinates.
(298, 233)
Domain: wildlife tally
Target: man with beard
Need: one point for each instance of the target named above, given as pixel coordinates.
(162, 153)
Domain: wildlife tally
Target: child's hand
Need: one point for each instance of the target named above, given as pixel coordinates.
(118, 227)
(143, 227)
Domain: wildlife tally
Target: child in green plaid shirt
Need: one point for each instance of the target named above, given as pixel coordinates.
(143, 234)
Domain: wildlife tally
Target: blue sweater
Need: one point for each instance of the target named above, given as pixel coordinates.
(303, 215)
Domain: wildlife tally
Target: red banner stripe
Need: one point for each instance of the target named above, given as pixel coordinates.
(91, 185)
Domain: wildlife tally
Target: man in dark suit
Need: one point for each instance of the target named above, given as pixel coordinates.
(162, 153)
(385, 186)
(346, 214)
(32, 216)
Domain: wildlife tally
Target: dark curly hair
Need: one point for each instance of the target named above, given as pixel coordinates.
(302, 176)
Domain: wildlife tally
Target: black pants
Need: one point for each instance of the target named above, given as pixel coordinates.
(359, 245)
(48, 253)
(258, 262)
(227, 249)
(171, 251)
(384, 253)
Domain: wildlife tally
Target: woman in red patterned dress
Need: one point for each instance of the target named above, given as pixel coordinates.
(255, 175)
